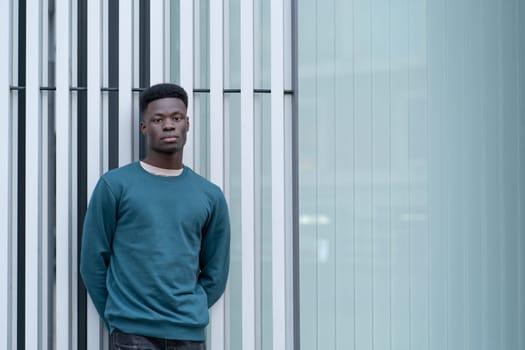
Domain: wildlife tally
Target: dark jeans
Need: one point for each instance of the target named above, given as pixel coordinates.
(123, 341)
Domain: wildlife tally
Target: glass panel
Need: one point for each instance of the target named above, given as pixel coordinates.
(200, 123)
(232, 105)
(202, 44)
(174, 41)
(410, 155)
(233, 112)
(232, 40)
(307, 110)
(202, 81)
(264, 213)
(262, 45)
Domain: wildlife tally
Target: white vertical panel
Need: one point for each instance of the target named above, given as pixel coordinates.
(73, 287)
(198, 97)
(186, 70)
(288, 224)
(288, 173)
(33, 176)
(217, 141)
(125, 64)
(247, 178)
(278, 174)
(13, 197)
(94, 129)
(216, 93)
(167, 41)
(5, 178)
(44, 180)
(226, 154)
(157, 29)
(258, 112)
(63, 177)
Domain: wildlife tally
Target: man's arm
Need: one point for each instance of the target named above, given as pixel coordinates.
(99, 226)
(215, 252)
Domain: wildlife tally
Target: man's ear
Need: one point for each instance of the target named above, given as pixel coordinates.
(143, 127)
(187, 123)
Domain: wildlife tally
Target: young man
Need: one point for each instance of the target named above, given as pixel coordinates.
(156, 239)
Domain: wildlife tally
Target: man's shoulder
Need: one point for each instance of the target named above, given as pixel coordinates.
(203, 182)
(123, 173)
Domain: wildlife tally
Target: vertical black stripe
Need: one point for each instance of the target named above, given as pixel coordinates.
(144, 50)
(113, 110)
(21, 194)
(82, 161)
(295, 180)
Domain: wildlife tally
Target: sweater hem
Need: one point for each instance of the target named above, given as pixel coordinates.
(162, 331)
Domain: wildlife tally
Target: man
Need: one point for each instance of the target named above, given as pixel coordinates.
(156, 239)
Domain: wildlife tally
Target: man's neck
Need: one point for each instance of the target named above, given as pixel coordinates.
(165, 161)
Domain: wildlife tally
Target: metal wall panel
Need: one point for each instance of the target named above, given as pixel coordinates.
(94, 135)
(5, 179)
(74, 277)
(217, 142)
(64, 167)
(186, 71)
(248, 177)
(33, 179)
(53, 307)
(278, 176)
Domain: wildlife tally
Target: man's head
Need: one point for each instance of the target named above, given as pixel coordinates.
(164, 120)
(164, 90)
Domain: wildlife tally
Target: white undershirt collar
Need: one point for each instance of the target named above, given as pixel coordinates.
(160, 171)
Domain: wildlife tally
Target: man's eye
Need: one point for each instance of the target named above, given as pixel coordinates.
(157, 120)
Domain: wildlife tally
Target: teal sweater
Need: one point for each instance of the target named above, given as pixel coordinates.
(155, 251)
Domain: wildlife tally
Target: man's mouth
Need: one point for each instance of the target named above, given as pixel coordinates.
(169, 138)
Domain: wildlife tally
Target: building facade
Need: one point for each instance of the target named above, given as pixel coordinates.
(371, 152)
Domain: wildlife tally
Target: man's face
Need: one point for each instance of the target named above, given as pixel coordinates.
(165, 125)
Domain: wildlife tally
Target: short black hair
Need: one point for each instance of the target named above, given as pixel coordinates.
(163, 90)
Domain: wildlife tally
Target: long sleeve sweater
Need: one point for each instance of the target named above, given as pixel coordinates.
(155, 251)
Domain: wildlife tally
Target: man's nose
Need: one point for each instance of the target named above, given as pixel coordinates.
(169, 124)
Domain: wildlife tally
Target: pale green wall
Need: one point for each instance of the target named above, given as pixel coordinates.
(411, 174)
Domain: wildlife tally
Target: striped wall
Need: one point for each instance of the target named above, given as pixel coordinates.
(70, 75)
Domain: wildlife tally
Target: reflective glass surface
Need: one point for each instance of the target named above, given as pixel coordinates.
(411, 154)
